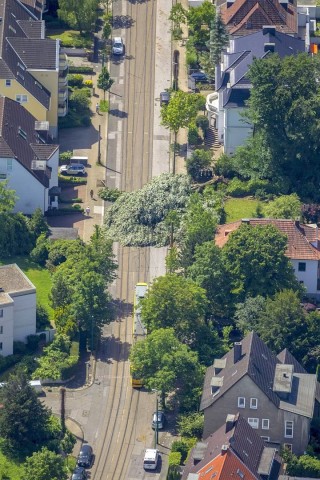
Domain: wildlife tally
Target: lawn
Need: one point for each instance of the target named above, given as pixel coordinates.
(237, 208)
(71, 38)
(39, 276)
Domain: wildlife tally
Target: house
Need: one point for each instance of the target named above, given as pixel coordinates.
(277, 399)
(303, 247)
(27, 158)
(243, 17)
(33, 70)
(233, 451)
(17, 308)
(233, 86)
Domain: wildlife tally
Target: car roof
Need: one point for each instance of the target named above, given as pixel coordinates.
(86, 449)
(165, 94)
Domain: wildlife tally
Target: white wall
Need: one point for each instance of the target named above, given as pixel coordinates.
(6, 321)
(236, 129)
(53, 162)
(24, 322)
(309, 277)
(30, 191)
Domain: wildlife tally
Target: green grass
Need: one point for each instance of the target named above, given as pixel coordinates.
(10, 469)
(104, 106)
(38, 275)
(71, 38)
(237, 208)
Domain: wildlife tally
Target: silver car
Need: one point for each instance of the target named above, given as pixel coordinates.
(117, 46)
(73, 169)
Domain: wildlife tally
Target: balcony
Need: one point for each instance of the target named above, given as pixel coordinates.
(63, 95)
(62, 110)
(63, 62)
(63, 82)
(212, 103)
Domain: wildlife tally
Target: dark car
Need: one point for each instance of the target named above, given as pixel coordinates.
(79, 474)
(200, 77)
(85, 456)
(164, 98)
(161, 420)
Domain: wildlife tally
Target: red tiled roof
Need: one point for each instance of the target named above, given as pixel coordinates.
(225, 466)
(299, 245)
(248, 16)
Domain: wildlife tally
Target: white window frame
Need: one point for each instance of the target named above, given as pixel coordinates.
(254, 423)
(285, 428)
(254, 403)
(241, 402)
(21, 98)
(266, 439)
(263, 422)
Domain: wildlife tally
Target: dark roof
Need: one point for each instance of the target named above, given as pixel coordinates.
(248, 16)
(259, 363)
(63, 233)
(20, 140)
(23, 46)
(34, 6)
(239, 438)
(244, 50)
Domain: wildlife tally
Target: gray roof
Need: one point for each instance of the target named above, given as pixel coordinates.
(245, 49)
(20, 140)
(260, 364)
(23, 46)
(13, 280)
(63, 233)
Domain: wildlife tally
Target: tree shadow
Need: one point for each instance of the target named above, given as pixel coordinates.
(79, 378)
(113, 349)
(121, 309)
(118, 113)
(122, 21)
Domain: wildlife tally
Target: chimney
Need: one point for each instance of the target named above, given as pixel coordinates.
(269, 47)
(237, 352)
(269, 29)
(224, 449)
(230, 421)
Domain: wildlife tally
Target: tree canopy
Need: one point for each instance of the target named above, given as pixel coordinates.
(8, 197)
(43, 465)
(181, 110)
(104, 81)
(79, 14)
(286, 206)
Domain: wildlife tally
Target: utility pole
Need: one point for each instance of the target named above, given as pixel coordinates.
(99, 145)
(156, 429)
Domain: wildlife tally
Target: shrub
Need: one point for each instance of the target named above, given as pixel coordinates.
(32, 342)
(42, 317)
(192, 58)
(9, 361)
(71, 180)
(174, 458)
(88, 83)
(224, 166)
(200, 159)
(107, 29)
(82, 69)
(193, 136)
(182, 447)
(19, 348)
(65, 157)
(109, 194)
(75, 80)
(202, 122)
(177, 33)
(191, 425)
(104, 106)
(237, 188)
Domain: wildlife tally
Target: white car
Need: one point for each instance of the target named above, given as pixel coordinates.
(117, 46)
(73, 169)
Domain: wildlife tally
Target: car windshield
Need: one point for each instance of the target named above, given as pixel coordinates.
(118, 45)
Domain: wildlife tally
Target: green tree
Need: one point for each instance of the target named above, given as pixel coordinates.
(178, 15)
(79, 14)
(219, 38)
(56, 358)
(191, 425)
(104, 81)
(286, 206)
(181, 111)
(42, 317)
(8, 197)
(199, 21)
(80, 102)
(177, 302)
(168, 366)
(15, 236)
(248, 314)
(284, 97)
(23, 418)
(255, 259)
(200, 159)
(209, 272)
(43, 465)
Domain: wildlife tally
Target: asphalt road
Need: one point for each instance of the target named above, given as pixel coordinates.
(125, 421)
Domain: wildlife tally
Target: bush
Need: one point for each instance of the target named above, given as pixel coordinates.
(104, 106)
(19, 348)
(199, 160)
(237, 188)
(192, 58)
(42, 317)
(182, 447)
(107, 29)
(202, 122)
(75, 80)
(109, 194)
(32, 342)
(193, 136)
(224, 166)
(88, 83)
(174, 458)
(304, 466)
(83, 70)
(71, 180)
(40, 252)
(191, 425)
(65, 157)
(9, 361)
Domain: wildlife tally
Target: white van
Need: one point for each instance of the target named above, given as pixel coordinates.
(151, 458)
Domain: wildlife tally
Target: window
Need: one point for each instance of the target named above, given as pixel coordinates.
(22, 133)
(266, 439)
(288, 429)
(8, 83)
(1, 329)
(240, 473)
(241, 402)
(265, 424)
(1, 346)
(302, 266)
(22, 98)
(288, 446)
(1, 312)
(3, 176)
(253, 422)
(9, 165)
(254, 403)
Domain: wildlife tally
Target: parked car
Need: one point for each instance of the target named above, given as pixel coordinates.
(161, 420)
(164, 98)
(74, 169)
(151, 457)
(117, 46)
(79, 474)
(200, 77)
(85, 456)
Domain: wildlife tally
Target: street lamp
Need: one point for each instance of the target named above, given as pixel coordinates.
(156, 431)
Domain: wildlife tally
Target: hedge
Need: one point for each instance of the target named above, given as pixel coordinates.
(174, 458)
(71, 180)
(84, 70)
